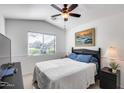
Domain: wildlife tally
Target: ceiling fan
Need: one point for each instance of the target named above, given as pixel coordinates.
(66, 11)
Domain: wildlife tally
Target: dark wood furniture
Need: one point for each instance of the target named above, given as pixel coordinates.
(94, 53)
(109, 80)
(15, 81)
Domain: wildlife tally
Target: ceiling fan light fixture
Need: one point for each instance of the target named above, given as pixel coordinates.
(65, 15)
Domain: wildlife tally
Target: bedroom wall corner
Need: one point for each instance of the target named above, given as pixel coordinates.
(2, 25)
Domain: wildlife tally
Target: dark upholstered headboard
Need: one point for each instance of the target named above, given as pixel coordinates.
(94, 53)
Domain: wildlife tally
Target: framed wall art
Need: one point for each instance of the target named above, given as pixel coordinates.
(85, 38)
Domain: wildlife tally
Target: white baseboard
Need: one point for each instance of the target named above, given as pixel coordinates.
(27, 74)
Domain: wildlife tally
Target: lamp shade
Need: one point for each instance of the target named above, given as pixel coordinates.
(112, 53)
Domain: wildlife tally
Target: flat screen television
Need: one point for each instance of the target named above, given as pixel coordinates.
(5, 50)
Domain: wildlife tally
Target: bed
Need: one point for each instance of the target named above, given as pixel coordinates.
(67, 73)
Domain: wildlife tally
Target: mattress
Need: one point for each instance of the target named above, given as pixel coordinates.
(64, 74)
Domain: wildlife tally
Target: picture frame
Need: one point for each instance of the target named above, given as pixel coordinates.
(85, 38)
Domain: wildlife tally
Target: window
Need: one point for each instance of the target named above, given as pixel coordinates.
(39, 44)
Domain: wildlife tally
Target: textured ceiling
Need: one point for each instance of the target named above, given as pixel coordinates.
(89, 13)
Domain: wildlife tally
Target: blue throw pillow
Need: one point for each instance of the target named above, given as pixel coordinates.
(94, 60)
(84, 58)
(72, 56)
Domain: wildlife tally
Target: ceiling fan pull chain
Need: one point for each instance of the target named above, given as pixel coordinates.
(65, 25)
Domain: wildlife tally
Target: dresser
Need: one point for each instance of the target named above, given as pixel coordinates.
(15, 81)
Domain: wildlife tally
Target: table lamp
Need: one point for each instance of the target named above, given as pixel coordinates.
(112, 56)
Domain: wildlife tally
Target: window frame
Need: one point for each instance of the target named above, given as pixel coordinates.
(43, 43)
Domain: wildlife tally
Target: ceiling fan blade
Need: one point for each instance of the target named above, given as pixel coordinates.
(55, 15)
(72, 7)
(65, 5)
(74, 14)
(56, 7)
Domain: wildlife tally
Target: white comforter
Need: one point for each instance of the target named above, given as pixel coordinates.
(64, 73)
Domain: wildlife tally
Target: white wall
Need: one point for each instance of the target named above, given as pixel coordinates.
(17, 30)
(109, 32)
(2, 25)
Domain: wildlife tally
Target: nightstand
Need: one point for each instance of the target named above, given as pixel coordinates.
(109, 80)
